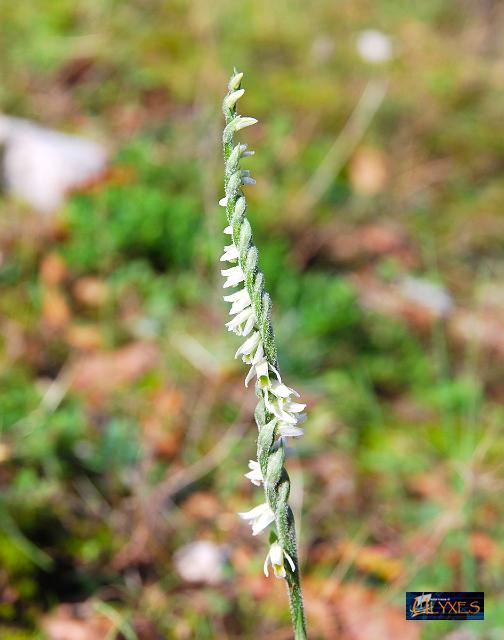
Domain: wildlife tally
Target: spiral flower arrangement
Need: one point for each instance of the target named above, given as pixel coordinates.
(277, 414)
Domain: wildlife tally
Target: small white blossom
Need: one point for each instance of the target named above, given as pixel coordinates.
(242, 323)
(255, 474)
(230, 253)
(233, 98)
(228, 230)
(282, 391)
(244, 121)
(259, 369)
(234, 83)
(234, 276)
(289, 431)
(259, 517)
(223, 201)
(275, 556)
(249, 347)
(240, 300)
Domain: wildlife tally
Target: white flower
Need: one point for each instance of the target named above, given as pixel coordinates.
(248, 348)
(230, 253)
(374, 46)
(233, 98)
(244, 121)
(293, 407)
(229, 229)
(260, 369)
(289, 431)
(255, 474)
(282, 391)
(242, 323)
(244, 151)
(262, 373)
(234, 83)
(240, 300)
(258, 517)
(276, 555)
(223, 201)
(283, 408)
(234, 276)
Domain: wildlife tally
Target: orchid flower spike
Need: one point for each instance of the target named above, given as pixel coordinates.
(277, 415)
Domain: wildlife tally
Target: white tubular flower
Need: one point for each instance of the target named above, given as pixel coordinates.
(259, 517)
(260, 370)
(229, 229)
(230, 253)
(248, 348)
(233, 98)
(234, 276)
(242, 323)
(255, 474)
(240, 300)
(282, 391)
(289, 431)
(276, 556)
(223, 201)
(234, 83)
(244, 121)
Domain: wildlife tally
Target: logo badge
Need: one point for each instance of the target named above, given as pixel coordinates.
(445, 605)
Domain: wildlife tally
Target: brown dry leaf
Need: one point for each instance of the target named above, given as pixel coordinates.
(55, 310)
(84, 337)
(320, 611)
(338, 475)
(350, 243)
(484, 548)
(373, 559)
(483, 329)
(100, 374)
(75, 623)
(432, 485)
(368, 171)
(161, 426)
(53, 269)
(365, 615)
(201, 505)
(389, 300)
(5, 452)
(340, 242)
(14, 339)
(91, 291)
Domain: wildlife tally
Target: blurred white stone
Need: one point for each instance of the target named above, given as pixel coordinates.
(40, 166)
(200, 561)
(428, 294)
(374, 46)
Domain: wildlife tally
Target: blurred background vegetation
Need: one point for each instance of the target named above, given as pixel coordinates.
(125, 429)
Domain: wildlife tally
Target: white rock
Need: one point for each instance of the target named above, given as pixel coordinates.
(200, 561)
(429, 294)
(40, 166)
(374, 46)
